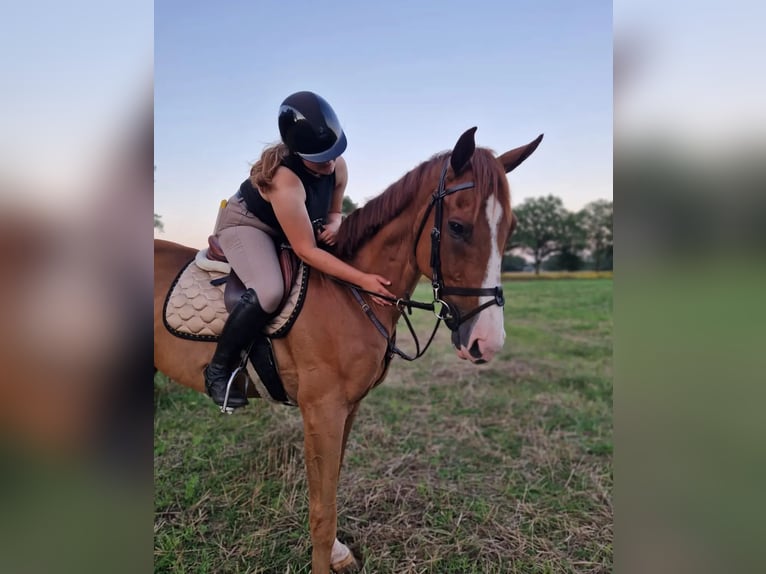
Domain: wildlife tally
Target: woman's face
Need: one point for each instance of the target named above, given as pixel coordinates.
(324, 168)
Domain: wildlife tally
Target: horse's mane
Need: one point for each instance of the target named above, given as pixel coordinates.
(363, 223)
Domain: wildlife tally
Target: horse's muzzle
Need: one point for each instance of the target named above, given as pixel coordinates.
(478, 341)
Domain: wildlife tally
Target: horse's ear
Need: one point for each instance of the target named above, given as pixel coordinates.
(463, 151)
(512, 159)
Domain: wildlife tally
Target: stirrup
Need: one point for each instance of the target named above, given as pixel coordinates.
(224, 408)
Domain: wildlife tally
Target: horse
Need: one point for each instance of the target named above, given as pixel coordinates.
(463, 197)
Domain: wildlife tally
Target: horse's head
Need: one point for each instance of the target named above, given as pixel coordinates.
(470, 220)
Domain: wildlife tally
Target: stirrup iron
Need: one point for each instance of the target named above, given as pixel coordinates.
(224, 408)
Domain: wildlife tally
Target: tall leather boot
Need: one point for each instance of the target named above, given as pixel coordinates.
(243, 325)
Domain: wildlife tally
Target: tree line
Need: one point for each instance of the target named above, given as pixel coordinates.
(553, 237)
(557, 239)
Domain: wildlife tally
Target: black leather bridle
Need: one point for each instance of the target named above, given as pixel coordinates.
(442, 309)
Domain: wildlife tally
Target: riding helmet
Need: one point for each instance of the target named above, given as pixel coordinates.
(309, 127)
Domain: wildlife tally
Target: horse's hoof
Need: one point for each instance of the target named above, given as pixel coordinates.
(348, 565)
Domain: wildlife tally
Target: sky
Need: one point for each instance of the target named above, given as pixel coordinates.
(696, 74)
(405, 78)
(75, 76)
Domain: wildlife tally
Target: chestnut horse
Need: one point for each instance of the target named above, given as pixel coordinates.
(449, 219)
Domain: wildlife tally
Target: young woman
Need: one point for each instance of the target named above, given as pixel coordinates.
(296, 182)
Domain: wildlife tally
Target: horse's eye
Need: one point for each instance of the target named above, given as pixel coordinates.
(458, 230)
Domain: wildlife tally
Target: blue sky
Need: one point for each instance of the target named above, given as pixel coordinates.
(406, 79)
(75, 74)
(698, 88)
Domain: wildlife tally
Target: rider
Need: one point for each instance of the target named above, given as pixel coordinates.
(295, 182)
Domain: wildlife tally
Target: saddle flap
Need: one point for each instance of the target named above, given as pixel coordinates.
(288, 263)
(214, 250)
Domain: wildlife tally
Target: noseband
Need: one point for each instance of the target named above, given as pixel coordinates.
(442, 309)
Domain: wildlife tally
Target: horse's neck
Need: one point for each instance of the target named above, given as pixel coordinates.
(390, 254)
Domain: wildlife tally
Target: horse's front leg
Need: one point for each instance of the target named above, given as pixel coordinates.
(323, 429)
(343, 560)
(347, 431)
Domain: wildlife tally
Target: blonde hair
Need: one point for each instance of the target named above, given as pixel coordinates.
(262, 172)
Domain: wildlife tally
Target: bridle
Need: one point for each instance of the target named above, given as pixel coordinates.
(441, 308)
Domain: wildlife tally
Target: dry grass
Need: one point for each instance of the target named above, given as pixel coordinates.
(451, 468)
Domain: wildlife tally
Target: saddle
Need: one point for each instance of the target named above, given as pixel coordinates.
(288, 263)
(207, 289)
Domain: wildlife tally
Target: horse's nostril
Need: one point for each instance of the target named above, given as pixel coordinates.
(474, 350)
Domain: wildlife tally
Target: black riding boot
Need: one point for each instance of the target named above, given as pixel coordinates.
(244, 323)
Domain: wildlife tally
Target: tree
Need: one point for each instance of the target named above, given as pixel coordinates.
(571, 241)
(598, 223)
(158, 218)
(513, 263)
(348, 205)
(541, 224)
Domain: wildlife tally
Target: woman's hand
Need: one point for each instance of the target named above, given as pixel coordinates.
(329, 231)
(377, 284)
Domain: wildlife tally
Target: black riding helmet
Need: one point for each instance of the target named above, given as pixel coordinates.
(309, 127)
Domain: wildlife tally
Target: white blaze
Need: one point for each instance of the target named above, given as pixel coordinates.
(489, 329)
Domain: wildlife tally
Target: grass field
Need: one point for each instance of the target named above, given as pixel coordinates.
(451, 468)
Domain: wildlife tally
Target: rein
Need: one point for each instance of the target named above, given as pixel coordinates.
(446, 312)
(405, 306)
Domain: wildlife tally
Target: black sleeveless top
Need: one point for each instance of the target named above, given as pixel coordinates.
(319, 192)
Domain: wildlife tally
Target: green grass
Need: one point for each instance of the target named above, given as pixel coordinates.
(451, 467)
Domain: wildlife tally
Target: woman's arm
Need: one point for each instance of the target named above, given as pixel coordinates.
(288, 199)
(334, 217)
